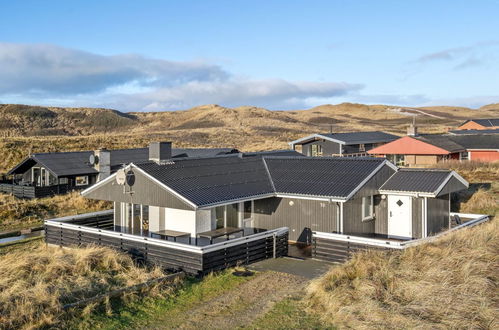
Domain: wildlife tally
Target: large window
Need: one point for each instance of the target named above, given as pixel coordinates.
(464, 155)
(81, 180)
(367, 208)
(398, 160)
(316, 150)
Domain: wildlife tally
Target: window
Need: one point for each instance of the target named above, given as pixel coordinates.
(247, 209)
(316, 150)
(398, 160)
(367, 208)
(63, 180)
(220, 216)
(464, 155)
(81, 180)
(362, 147)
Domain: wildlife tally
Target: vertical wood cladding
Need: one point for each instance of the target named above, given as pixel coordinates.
(417, 217)
(452, 186)
(145, 191)
(168, 257)
(352, 209)
(380, 215)
(328, 148)
(438, 214)
(301, 216)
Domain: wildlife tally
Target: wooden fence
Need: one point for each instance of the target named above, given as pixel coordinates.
(339, 248)
(197, 260)
(32, 191)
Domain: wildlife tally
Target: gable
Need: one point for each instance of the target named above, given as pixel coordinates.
(146, 191)
(408, 145)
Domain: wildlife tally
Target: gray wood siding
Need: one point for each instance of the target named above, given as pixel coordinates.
(328, 148)
(145, 191)
(452, 186)
(352, 209)
(381, 215)
(438, 214)
(303, 217)
(417, 217)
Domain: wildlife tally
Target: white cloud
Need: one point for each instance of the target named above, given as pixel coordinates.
(43, 73)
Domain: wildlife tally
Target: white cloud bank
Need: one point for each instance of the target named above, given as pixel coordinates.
(49, 74)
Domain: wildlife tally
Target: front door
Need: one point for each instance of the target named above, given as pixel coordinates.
(400, 216)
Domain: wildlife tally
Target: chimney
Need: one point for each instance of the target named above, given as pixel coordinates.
(412, 130)
(102, 163)
(160, 152)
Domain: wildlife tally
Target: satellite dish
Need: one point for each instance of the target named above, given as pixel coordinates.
(121, 177)
(130, 178)
(94, 159)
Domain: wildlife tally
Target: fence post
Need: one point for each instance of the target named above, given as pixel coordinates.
(274, 237)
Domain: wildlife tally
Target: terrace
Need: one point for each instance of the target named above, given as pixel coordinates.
(172, 250)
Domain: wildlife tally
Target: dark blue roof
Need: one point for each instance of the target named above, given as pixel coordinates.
(416, 180)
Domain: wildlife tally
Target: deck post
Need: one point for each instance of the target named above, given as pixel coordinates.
(275, 243)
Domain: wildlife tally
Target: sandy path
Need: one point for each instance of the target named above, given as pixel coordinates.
(238, 307)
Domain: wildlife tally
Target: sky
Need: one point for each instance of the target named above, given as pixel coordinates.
(171, 55)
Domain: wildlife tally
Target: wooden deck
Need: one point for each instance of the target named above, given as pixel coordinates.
(97, 228)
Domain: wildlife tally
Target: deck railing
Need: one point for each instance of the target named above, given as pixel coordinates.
(340, 247)
(21, 191)
(171, 255)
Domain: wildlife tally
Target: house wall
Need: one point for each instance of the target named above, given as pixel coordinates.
(451, 186)
(181, 220)
(420, 159)
(328, 147)
(301, 216)
(352, 209)
(484, 155)
(438, 214)
(145, 192)
(381, 221)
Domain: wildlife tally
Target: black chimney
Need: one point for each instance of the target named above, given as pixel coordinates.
(160, 151)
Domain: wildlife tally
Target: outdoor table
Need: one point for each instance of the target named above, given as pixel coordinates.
(172, 233)
(212, 234)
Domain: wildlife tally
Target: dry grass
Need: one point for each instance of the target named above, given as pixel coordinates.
(451, 283)
(36, 283)
(22, 213)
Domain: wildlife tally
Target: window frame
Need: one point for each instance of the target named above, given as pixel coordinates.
(84, 177)
(371, 215)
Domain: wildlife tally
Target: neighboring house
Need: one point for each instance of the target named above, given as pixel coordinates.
(479, 124)
(45, 174)
(341, 144)
(428, 149)
(474, 131)
(258, 202)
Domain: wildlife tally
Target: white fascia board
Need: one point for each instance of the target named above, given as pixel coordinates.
(452, 174)
(407, 193)
(314, 198)
(313, 137)
(376, 170)
(491, 149)
(161, 184)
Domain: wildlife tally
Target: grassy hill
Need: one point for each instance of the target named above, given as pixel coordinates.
(28, 129)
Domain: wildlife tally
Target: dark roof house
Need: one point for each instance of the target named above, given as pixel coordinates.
(338, 144)
(478, 124)
(207, 213)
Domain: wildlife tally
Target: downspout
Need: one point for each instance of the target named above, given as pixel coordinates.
(424, 233)
(341, 217)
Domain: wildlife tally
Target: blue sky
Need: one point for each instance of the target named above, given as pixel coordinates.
(167, 55)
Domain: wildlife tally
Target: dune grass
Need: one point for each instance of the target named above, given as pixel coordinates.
(18, 213)
(451, 283)
(36, 281)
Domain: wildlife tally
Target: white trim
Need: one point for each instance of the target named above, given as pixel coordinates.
(371, 216)
(451, 174)
(478, 219)
(341, 218)
(237, 200)
(373, 173)
(92, 187)
(314, 136)
(309, 197)
(159, 242)
(491, 149)
(424, 227)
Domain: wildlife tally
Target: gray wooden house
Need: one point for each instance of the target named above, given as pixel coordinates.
(46, 174)
(341, 144)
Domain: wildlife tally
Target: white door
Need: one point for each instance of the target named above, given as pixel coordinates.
(400, 216)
